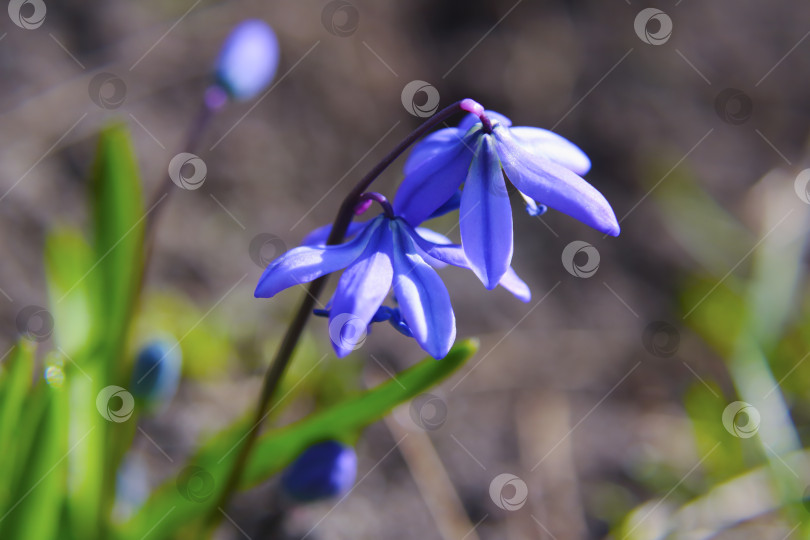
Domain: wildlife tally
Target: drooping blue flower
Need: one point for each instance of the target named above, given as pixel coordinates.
(156, 373)
(248, 60)
(323, 470)
(385, 253)
(543, 166)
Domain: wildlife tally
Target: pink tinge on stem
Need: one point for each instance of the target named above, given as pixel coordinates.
(215, 97)
(472, 106)
(362, 206)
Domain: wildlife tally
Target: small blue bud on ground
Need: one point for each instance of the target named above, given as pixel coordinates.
(323, 470)
(248, 60)
(157, 371)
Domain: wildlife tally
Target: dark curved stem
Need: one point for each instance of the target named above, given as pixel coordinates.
(287, 348)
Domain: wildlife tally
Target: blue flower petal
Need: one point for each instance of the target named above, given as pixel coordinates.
(538, 141)
(319, 236)
(306, 263)
(438, 142)
(554, 185)
(360, 292)
(423, 299)
(512, 283)
(433, 183)
(452, 204)
(486, 217)
(453, 254)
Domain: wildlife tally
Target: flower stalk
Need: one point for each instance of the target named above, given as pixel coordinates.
(285, 351)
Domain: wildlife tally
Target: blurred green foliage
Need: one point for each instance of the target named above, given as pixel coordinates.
(63, 432)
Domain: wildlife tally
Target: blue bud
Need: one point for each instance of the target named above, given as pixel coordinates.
(157, 372)
(248, 60)
(323, 470)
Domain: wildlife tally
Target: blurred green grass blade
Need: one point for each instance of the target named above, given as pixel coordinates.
(118, 227)
(68, 263)
(86, 500)
(118, 218)
(705, 409)
(14, 391)
(717, 511)
(712, 236)
(35, 509)
(175, 505)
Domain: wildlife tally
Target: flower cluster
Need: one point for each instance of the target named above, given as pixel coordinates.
(462, 169)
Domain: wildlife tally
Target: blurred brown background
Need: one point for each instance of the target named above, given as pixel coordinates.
(563, 394)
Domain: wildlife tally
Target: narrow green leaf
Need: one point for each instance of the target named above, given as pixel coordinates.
(68, 264)
(36, 506)
(118, 216)
(118, 252)
(189, 496)
(16, 385)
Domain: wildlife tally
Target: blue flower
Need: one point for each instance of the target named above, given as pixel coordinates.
(248, 60)
(385, 253)
(543, 166)
(323, 470)
(157, 371)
